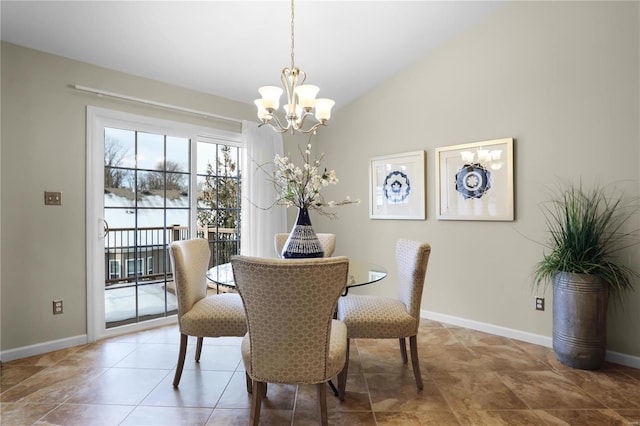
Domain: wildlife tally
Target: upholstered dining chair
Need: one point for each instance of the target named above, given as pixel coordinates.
(292, 337)
(327, 241)
(377, 317)
(201, 315)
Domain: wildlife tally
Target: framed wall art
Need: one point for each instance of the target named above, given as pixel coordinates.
(474, 181)
(397, 186)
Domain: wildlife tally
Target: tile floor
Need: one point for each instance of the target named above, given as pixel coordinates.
(470, 378)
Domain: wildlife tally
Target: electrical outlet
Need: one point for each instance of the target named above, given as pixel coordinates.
(57, 307)
(52, 198)
(539, 303)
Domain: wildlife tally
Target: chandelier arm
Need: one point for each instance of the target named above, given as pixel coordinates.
(302, 76)
(305, 114)
(312, 129)
(289, 79)
(278, 127)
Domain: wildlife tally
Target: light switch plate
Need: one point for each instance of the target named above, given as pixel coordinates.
(52, 198)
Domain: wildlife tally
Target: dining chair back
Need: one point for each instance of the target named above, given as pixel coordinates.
(378, 317)
(292, 337)
(199, 314)
(327, 241)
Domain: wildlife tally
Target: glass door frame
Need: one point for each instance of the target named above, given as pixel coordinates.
(97, 120)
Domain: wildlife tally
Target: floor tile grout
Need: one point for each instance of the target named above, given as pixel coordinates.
(470, 377)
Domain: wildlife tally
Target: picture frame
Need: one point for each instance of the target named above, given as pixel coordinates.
(474, 181)
(397, 186)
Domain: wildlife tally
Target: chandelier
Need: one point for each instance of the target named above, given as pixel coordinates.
(301, 100)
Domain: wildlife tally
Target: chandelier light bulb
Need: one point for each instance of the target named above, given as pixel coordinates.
(263, 114)
(295, 114)
(270, 97)
(307, 95)
(323, 108)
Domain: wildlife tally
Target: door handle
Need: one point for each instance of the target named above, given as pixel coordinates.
(105, 228)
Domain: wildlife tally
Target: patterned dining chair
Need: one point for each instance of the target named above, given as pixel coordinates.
(199, 314)
(377, 317)
(292, 337)
(327, 241)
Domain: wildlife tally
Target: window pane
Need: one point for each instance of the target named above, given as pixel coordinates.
(218, 187)
(150, 218)
(179, 217)
(150, 151)
(121, 224)
(151, 184)
(114, 269)
(206, 157)
(177, 190)
(119, 148)
(227, 160)
(121, 193)
(119, 305)
(151, 299)
(177, 154)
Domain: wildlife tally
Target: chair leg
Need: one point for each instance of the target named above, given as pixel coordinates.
(199, 348)
(403, 349)
(413, 345)
(342, 376)
(181, 356)
(249, 383)
(259, 389)
(322, 402)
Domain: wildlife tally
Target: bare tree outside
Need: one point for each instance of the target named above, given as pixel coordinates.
(156, 180)
(114, 154)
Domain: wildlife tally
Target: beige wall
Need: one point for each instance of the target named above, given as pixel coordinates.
(43, 148)
(561, 78)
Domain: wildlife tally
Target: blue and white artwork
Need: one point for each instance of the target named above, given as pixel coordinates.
(473, 180)
(396, 187)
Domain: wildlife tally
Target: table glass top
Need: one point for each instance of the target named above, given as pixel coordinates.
(360, 273)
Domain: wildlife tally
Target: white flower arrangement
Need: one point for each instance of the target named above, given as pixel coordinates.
(300, 187)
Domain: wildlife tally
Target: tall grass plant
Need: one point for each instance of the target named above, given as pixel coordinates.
(587, 233)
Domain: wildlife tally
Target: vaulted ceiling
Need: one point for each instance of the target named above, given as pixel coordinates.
(230, 48)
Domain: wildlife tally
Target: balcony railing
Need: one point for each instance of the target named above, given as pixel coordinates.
(141, 255)
(138, 277)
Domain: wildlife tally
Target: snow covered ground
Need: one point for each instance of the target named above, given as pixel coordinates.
(120, 304)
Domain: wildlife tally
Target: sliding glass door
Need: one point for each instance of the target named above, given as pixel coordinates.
(146, 206)
(151, 182)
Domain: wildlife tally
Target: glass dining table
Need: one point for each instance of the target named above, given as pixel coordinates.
(360, 273)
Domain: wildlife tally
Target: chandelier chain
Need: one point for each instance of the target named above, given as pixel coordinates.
(292, 33)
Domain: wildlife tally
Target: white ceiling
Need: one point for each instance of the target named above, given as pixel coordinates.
(230, 48)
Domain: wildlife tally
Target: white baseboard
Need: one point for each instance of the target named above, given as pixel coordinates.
(537, 339)
(623, 359)
(41, 348)
(55, 345)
